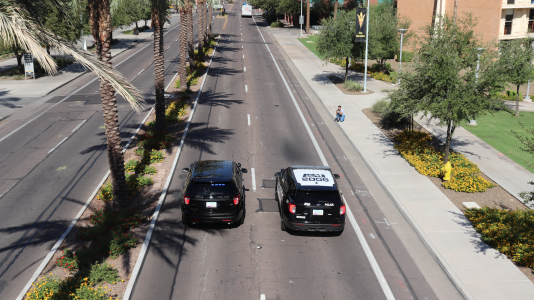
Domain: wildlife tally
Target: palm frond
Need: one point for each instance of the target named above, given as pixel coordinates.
(17, 27)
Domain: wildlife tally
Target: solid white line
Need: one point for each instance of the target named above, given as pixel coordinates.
(248, 117)
(79, 125)
(253, 179)
(140, 72)
(172, 80)
(262, 297)
(60, 241)
(374, 264)
(58, 144)
(7, 190)
(62, 238)
(155, 216)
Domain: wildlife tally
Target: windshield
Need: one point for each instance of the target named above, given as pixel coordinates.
(210, 189)
(317, 197)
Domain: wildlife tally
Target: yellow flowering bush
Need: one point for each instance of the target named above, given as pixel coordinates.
(510, 232)
(413, 146)
(71, 288)
(174, 111)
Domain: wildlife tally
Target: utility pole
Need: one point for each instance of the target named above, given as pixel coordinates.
(366, 49)
(300, 19)
(308, 16)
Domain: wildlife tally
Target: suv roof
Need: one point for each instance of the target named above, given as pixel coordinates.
(313, 178)
(212, 170)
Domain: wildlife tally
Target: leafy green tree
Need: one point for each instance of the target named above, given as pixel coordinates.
(269, 6)
(443, 81)
(336, 40)
(384, 38)
(64, 23)
(290, 7)
(527, 145)
(515, 62)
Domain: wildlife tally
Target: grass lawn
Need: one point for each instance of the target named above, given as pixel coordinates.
(311, 46)
(496, 130)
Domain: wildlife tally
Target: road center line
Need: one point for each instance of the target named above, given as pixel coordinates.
(262, 297)
(243, 56)
(245, 68)
(246, 88)
(248, 117)
(58, 144)
(79, 125)
(253, 179)
(144, 69)
(363, 242)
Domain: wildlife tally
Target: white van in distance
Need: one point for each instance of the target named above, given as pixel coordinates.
(246, 10)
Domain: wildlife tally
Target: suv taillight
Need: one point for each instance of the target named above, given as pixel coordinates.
(342, 210)
(292, 208)
(186, 200)
(236, 200)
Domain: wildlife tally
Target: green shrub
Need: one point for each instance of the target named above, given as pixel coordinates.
(375, 68)
(510, 232)
(132, 166)
(102, 272)
(392, 119)
(140, 152)
(277, 24)
(394, 76)
(407, 56)
(380, 106)
(153, 139)
(151, 124)
(352, 85)
(150, 170)
(156, 156)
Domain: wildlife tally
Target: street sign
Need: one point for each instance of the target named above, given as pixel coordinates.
(301, 19)
(361, 24)
(28, 66)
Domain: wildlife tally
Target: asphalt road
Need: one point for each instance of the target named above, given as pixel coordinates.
(50, 167)
(248, 116)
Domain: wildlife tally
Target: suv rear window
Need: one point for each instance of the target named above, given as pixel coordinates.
(211, 189)
(317, 196)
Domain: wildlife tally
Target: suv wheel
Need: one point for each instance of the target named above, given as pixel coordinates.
(183, 220)
(282, 225)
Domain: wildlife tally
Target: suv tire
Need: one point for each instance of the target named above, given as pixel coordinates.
(282, 225)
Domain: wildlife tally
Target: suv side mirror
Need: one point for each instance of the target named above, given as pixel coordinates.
(185, 170)
(336, 176)
(282, 171)
(239, 165)
(244, 170)
(277, 174)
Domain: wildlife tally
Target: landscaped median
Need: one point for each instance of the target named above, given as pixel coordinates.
(97, 257)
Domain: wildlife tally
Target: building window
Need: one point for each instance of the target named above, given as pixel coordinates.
(510, 2)
(531, 21)
(508, 21)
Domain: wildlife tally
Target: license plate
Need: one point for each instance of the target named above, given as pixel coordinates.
(317, 212)
(211, 204)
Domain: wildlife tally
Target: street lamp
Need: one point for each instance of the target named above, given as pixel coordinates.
(479, 52)
(402, 31)
(527, 98)
(84, 47)
(300, 19)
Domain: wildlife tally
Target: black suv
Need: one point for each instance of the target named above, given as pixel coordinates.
(214, 192)
(309, 199)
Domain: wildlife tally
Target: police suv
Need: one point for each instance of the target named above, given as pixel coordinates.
(214, 192)
(309, 199)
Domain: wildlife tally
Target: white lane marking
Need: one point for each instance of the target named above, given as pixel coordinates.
(248, 117)
(168, 47)
(242, 46)
(241, 33)
(262, 297)
(58, 144)
(253, 179)
(243, 56)
(140, 72)
(374, 264)
(172, 80)
(155, 216)
(8, 190)
(246, 88)
(245, 68)
(79, 125)
(56, 246)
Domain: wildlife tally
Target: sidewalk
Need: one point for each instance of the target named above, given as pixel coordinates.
(17, 94)
(479, 271)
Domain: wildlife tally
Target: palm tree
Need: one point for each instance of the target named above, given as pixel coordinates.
(201, 11)
(184, 53)
(158, 19)
(190, 41)
(210, 17)
(20, 26)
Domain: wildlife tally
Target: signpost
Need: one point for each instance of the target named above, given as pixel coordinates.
(28, 66)
(362, 35)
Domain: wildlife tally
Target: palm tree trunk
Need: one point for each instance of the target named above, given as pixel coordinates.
(100, 20)
(190, 40)
(210, 17)
(335, 8)
(200, 48)
(205, 28)
(183, 50)
(159, 67)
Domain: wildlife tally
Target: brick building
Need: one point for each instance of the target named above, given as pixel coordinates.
(497, 19)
